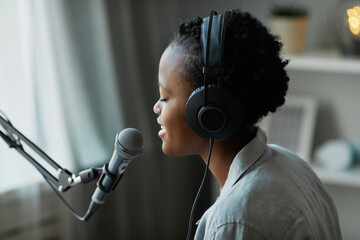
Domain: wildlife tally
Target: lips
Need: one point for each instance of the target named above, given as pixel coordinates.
(162, 131)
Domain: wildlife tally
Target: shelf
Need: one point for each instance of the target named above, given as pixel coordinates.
(329, 62)
(348, 178)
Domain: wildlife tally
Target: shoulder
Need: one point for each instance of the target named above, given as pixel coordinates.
(237, 230)
(265, 201)
(298, 229)
(255, 226)
(278, 196)
(258, 208)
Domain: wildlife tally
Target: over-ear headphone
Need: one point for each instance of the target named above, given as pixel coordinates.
(211, 110)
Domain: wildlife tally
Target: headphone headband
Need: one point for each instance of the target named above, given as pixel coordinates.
(212, 43)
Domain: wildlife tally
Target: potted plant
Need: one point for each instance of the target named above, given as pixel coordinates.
(290, 23)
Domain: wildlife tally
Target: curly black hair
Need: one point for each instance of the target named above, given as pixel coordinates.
(254, 69)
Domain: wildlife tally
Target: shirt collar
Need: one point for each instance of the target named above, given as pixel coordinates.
(245, 159)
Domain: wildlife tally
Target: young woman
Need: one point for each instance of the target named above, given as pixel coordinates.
(267, 192)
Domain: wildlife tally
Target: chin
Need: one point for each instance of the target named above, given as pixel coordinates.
(173, 151)
(168, 151)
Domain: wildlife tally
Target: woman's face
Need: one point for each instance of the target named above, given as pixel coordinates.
(177, 136)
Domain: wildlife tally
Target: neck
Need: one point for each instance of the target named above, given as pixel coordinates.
(224, 152)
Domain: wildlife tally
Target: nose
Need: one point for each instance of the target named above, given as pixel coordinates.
(157, 108)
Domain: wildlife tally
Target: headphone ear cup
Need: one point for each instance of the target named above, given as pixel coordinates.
(214, 120)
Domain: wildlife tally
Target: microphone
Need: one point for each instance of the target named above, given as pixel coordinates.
(128, 145)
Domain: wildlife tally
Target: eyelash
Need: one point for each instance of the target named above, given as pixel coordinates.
(162, 99)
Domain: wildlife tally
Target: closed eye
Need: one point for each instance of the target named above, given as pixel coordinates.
(162, 99)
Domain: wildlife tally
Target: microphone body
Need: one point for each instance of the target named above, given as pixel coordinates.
(128, 145)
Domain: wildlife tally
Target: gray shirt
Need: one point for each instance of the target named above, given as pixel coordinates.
(270, 193)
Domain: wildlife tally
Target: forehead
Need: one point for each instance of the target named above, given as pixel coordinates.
(170, 67)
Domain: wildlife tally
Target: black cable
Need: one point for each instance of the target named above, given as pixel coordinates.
(87, 214)
(62, 199)
(199, 191)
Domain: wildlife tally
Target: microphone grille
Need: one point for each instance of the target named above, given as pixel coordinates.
(131, 140)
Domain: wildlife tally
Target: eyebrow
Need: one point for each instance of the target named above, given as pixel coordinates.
(161, 85)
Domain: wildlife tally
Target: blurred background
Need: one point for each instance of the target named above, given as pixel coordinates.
(75, 73)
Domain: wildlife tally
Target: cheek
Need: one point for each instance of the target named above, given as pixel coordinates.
(180, 139)
(174, 118)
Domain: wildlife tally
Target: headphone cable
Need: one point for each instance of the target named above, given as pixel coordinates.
(200, 190)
